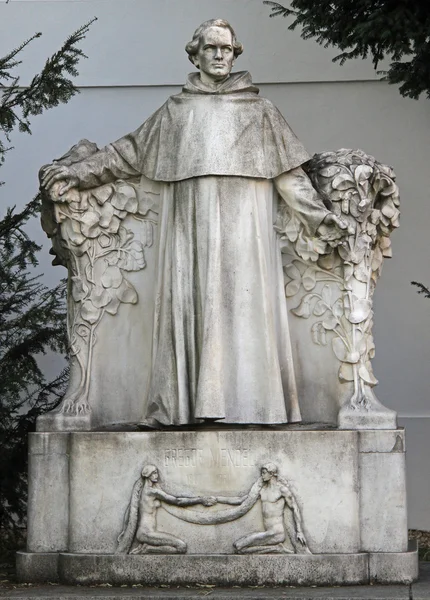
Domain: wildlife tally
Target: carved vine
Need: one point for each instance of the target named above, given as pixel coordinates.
(337, 283)
(89, 238)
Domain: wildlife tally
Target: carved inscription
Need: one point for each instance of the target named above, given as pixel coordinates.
(199, 457)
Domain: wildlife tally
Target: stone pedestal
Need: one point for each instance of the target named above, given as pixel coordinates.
(341, 492)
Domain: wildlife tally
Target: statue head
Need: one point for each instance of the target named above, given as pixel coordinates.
(150, 472)
(268, 471)
(213, 49)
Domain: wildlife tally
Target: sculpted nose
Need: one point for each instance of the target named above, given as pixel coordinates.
(218, 53)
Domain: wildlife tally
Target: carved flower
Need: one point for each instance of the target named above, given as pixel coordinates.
(307, 279)
(310, 248)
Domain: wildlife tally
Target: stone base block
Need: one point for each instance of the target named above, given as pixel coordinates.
(221, 570)
(401, 567)
(378, 417)
(56, 421)
(307, 506)
(37, 567)
(329, 569)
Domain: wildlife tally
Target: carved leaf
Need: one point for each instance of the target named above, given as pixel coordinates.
(79, 289)
(89, 312)
(292, 271)
(339, 348)
(337, 308)
(126, 293)
(352, 357)
(292, 228)
(377, 258)
(114, 224)
(90, 224)
(327, 262)
(147, 202)
(107, 212)
(310, 248)
(388, 209)
(353, 250)
(100, 297)
(71, 230)
(125, 199)
(362, 173)
(367, 375)
(385, 245)
(318, 333)
(292, 288)
(320, 308)
(360, 311)
(326, 294)
(375, 216)
(132, 257)
(346, 372)
(102, 193)
(113, 306)
(330, 322)
(348, 271)
(343, 182)
(330, 171)
(303, 310)
(112, 277)
(309, 279)
(361, 273)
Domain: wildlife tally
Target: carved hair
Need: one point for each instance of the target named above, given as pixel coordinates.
(148, 470)
(271, 468)
(192, 47)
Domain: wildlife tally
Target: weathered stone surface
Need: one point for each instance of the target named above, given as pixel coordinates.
(37, 567)
(399, 567)
(197, 486)
(221, 570)
(320, 466)
(382, 476)
(48, 492)
(238, 207)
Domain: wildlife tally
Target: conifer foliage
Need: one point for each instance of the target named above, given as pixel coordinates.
(393, 29)
(32, 317)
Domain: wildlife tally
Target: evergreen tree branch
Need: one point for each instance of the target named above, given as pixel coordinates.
(379, 29)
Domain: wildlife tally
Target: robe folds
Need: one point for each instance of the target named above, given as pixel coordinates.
(221, 347)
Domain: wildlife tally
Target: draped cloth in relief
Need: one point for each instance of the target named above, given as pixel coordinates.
(221, 346)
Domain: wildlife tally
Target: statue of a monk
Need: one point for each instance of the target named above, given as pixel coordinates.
(226, 157)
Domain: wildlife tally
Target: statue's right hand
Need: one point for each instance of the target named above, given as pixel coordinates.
(55, 172)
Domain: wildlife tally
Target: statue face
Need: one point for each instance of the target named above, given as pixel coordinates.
(215, 55)
(154, 476)
(266, 475)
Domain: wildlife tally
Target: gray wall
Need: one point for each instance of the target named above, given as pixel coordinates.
(136, 60)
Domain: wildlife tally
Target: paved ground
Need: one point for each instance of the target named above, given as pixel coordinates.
(417, 591)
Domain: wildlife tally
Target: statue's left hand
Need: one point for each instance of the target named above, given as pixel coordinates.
(301, 538)
(332, 229)
(55, 172)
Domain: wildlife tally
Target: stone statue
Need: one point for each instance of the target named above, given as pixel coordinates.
(221, 347)
(276, 498)
(140, 521)
(220, 186)
(217, 273)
